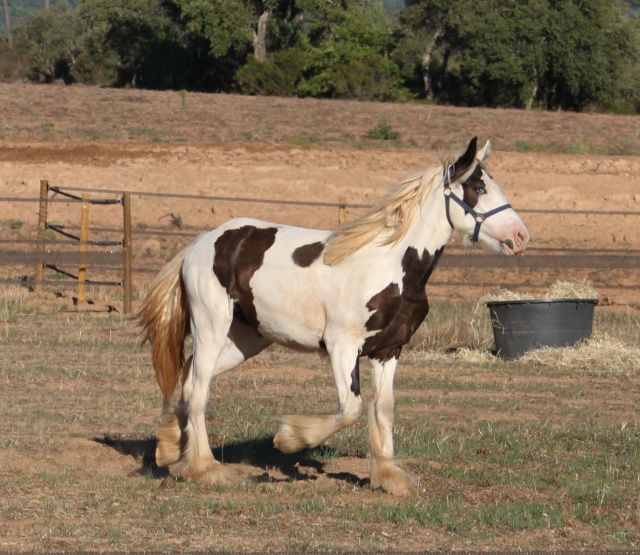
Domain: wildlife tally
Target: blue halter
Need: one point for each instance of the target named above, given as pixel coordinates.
(479, 217)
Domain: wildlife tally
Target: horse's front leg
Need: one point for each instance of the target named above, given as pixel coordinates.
(298, 432)
(385, 475)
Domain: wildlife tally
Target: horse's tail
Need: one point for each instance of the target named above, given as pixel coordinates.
(164, 317)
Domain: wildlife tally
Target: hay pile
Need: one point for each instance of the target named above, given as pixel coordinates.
(600, 355)
(559, 290)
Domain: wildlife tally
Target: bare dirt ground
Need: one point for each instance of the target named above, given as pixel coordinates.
(289, 150)
(311, 151)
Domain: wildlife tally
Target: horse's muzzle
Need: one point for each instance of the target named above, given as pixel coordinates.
(517, 244)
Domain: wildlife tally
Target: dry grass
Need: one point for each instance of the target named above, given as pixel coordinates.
(557, 290)
(600, 355)
(527, 454)
(77, 113)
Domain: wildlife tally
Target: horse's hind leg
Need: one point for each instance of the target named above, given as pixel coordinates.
(177, 440)
(298, 432)
(243, 342)
(385, 475)
(185, 434)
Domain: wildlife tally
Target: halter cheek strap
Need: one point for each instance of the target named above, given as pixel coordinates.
(479, 216)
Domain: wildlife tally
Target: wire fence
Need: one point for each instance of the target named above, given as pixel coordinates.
(470, 269)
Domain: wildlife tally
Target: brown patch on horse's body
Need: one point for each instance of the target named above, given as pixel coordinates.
(307, 254)
(239, 253)
(355, 378)
(397, 315)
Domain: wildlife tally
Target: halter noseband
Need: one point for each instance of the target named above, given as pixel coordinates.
(479, 216)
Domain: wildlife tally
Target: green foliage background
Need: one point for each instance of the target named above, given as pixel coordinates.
(547, 54)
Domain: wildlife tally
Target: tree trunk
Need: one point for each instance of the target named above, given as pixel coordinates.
(7, 22)
(47, 4)
(426, 61)
(534, 92)
(260, 38)
(529, 104)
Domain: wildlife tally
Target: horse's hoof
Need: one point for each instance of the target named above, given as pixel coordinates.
(394, 481)
(212, 473)
(286, 441)
(169, 449)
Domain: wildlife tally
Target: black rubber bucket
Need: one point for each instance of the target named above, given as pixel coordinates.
(520, 326)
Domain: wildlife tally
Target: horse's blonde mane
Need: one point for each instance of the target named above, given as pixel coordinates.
(389, 220)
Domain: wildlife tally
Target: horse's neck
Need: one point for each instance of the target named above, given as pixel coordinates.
(430, 229)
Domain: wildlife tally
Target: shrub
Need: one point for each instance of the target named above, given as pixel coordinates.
(13, 67)
(374, 78)
(383, 132)
(276, 77)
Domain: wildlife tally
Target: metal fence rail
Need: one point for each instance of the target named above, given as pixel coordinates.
(59, 253)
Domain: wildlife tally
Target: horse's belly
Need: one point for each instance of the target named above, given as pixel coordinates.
(299, 329)
(289, 314)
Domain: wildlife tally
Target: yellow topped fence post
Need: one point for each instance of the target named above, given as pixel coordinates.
(342, 210)
(42, 234)
(128, 267)
(84, 238)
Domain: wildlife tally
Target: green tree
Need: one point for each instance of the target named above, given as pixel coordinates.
(497, 56)
(121, 34)
(324, 48)
(557, 53)
(51, 39)
(225, 25)
(218, 37)
(589, 43)
(7, 21)
(347, 45)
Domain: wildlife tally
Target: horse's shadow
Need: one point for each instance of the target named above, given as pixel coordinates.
(260, 453)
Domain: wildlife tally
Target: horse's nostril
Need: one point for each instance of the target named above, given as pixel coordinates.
(509, 243)
(521, 237)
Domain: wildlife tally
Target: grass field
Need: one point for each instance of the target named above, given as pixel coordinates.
(537, 454)
(542, 453)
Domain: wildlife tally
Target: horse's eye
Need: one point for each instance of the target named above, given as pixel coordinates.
(481, 191)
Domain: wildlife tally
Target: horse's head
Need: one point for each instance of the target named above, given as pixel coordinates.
(476, 207)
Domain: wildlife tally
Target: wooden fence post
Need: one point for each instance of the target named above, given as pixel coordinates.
(84, 238)
(41, 234)
(342, 210)
(128, 266)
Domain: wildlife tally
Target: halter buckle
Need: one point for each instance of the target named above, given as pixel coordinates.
(480, 218)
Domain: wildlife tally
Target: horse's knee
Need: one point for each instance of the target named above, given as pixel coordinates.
(351, 411)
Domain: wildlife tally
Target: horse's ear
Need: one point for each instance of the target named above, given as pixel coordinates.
(465, 163)
(484, 154)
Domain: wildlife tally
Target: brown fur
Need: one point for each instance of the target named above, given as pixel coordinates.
(306, 255)
(239, 253)
(164, 317)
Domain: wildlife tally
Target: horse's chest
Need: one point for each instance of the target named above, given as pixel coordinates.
(395, 318)
(396, 315)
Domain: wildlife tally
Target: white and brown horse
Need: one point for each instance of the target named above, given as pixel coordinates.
(357, 291)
